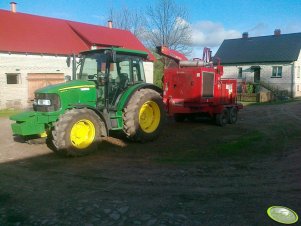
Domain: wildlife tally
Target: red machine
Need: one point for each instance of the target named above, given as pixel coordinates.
(196, 87)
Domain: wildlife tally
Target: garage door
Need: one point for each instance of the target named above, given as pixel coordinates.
(37, 80)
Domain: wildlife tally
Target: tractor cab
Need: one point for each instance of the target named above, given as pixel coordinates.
(113, 71)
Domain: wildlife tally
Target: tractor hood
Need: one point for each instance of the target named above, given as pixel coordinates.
(67, 95)
(63, 87)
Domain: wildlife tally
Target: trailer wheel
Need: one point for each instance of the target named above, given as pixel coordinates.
(77, 132)
(222, 118)
(232, 115)
(144, 116)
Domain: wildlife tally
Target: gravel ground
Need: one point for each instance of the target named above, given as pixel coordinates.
(148, 184)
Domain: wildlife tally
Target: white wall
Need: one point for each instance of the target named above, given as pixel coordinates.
(149, 71)
(283, 83)
(17, 94)
(297, 77)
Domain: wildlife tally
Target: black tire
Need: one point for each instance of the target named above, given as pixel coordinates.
(232, 115)
(37, 141)
(61, 134)
(179, 117)
(133, 116)
(222, 118)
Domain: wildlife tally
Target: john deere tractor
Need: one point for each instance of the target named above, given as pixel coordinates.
(108, 93)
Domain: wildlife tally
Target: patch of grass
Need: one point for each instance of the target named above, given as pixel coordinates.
(4, 197)
(244, 103)
(14, 217)
(243, 145)
(253, 143)
(275, 102)
(247, 142)
(179, 157)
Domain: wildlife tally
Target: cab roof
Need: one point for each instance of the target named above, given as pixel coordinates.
(120, 50)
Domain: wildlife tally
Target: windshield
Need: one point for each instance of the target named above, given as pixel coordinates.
(129, 67)
(93, 66)
(112, 78)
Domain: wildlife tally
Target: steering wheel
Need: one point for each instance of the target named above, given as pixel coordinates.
(92, 76)
(95, 76)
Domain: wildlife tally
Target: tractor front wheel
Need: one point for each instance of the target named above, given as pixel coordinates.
(77, 132)
(144, 116)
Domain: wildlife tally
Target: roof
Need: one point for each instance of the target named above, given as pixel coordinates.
(119, 50)
(26, 33)
(273, 48)
(170, 53)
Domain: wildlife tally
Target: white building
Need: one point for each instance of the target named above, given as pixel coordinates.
(21, 75)
(34, 49)
(273, 62)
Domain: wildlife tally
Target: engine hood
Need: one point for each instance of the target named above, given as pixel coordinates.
(63, 87)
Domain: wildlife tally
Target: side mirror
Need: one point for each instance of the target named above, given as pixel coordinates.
(67, 78)
(68, 61)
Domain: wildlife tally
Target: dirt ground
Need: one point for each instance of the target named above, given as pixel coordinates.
(195, 174)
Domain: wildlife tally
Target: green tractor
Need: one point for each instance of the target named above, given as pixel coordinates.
(109, 93)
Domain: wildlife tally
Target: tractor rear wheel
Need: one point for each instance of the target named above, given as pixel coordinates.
(144, 116)
(77, 132)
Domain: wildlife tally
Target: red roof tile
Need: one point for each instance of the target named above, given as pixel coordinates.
(25, 33)
(34, 34)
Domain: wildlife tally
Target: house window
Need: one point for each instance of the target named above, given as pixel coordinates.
(12, 78)
(298, 88)
(277, 72)
(239, 72)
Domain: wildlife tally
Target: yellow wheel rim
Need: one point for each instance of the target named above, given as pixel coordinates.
(82, 134)
(149, 116)
(44, 134)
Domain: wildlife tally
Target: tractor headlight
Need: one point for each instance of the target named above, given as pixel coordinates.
(42, 102)
(46, 102)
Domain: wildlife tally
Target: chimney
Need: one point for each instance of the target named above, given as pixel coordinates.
(110, 24)
(13, 7)
(277, 32)
(245, 35)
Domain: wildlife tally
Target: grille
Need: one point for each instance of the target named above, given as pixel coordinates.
(208, 82)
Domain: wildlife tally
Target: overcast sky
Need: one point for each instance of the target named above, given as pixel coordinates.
(211, 21)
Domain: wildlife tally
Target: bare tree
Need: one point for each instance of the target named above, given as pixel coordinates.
(167, 25)
(130, 20)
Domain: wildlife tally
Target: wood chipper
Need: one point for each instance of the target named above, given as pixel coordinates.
(195, 87)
